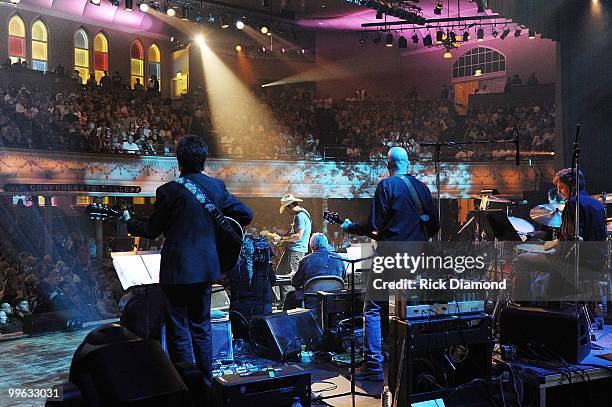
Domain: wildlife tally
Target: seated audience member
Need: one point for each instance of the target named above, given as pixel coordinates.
(251, 285)
(318, 263)
(6, 326)
(22, 309)
(11, 317)
(129, 146)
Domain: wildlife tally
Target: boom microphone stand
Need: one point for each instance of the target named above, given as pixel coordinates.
(353, 392)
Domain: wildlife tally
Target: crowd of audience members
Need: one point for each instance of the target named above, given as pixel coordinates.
(70, 279)
(113, 118)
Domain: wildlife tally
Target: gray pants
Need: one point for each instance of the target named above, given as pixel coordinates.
(288, 264)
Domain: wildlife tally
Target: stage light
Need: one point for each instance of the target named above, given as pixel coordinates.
(94, 2)
(238, 48)
(239, 24)
(303, 51)
(448, 55)
(200, 39)
(144, 7)
(129, 4)
(427, 41)
(504, 34)
(466, 36)
(115, 3)
(223, 21)
(17, 2)
(517, 33)
(171, 12)
(481, 6)
(439, 36)
(532, 35)
(415, 38)
(494, 33)
(264, 29)
(480, 35)
(452, 37)
(478, 72)
(438, 8)
(389, 40)
(171, 39)
(379, 15)
(362, 40)
(269, 34)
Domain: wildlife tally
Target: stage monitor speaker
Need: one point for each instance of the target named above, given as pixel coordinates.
(438, 353)
(222, 340)
(281, 334)
(564, 332)
(270, 388)
(52, 321)
(114, 367)
(219, 299)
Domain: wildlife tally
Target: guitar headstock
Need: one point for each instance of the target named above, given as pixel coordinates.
(101, 212)
(332, 217)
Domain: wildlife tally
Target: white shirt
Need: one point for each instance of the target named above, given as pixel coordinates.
(131, 148)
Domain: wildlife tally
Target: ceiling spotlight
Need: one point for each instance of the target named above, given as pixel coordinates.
(239, 24)
(478, 72)
(466, 36)
(494, 33)
(532, 34)
(115, 3)
(438, 8)
(200, 39)
(415, 38)
(481, 6)
(402, 42)
(94, 2)
(223, 22)
(427, 41)
(264, 29)
(144, 7)
(452, 37)
(129, 4)
(389, 40)
(17, 2)
(269, 34)
(263, 49)
(480, 35)
(238, 48)
(439, 36)
(171, 12)
(448, 55)
(379, 15)
(517, 33)
(504, 34)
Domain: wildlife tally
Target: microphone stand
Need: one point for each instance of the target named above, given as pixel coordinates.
(457, 145)
(576, 187)
(352, 392)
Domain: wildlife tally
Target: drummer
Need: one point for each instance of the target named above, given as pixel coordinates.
(538, 274)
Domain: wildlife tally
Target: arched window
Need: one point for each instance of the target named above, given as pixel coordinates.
(137, 63)
(81, 54)
(17, 34)
(39, 46)
(100, 56)
(486, 60)
(154, 63)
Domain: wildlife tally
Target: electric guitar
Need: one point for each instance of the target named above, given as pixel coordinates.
(229, 245)
(274, 236)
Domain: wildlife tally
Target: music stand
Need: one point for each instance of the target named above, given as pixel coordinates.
(351, 393)
(496, 225)
(138, 269)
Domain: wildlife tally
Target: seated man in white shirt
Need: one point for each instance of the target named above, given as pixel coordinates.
(129, 146)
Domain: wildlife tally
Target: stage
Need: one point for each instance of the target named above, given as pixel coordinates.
(44, 360)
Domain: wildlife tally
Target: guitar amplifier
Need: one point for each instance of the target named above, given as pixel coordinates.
(442, 352)
(270, 388)
(334, 318)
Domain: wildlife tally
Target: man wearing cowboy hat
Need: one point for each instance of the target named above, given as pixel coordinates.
(297, 241)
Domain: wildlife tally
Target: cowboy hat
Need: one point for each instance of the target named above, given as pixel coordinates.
(288, 200)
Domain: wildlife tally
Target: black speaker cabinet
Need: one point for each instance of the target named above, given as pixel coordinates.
(281, 334)
(439, 353)
(564, 332)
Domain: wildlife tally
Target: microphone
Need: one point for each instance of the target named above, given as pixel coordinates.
(517, 146)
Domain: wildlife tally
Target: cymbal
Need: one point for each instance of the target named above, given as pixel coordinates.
(492, 198)
(547, 214)
(599, 197)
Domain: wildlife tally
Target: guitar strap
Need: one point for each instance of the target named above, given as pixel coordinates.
(210, 207)
(415, 198)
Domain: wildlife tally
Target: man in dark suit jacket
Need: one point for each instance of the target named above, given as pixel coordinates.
(189, 261)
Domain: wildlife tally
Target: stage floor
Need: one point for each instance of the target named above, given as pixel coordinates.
(43, 361)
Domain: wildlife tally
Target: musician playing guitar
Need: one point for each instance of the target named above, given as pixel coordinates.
(189, 257)
(296, 243)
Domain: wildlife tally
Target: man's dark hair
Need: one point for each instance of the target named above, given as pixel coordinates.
(191, 153)
(566, 176)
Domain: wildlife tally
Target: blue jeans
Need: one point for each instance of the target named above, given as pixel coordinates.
(373, 335)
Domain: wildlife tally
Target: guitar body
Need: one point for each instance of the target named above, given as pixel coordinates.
(228, 248)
